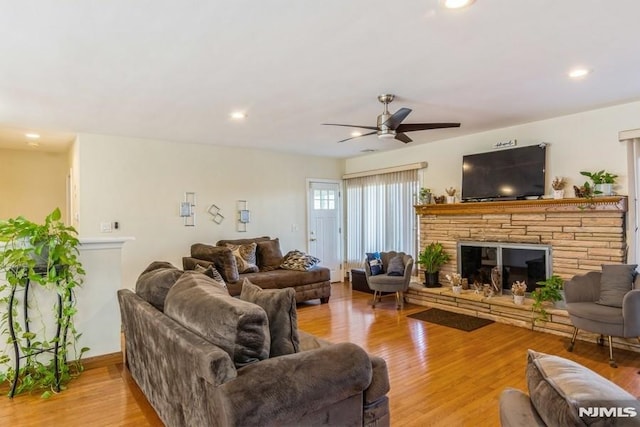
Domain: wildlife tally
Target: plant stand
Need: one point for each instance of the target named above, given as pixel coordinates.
(61, 334)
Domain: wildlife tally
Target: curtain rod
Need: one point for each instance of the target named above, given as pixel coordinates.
(628, 134)
(402, 168)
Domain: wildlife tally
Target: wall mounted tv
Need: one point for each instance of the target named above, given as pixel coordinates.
(510, 174)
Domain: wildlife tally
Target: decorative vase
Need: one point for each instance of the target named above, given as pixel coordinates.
(451, 199)
(457, 289)
(603, 189)
(518, 299)
(558, 194)
(431, 280)
(562, 304)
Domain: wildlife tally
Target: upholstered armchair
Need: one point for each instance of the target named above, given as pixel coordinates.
(392, 274)
(606, 303)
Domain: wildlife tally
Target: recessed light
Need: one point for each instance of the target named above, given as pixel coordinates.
(32, 135)
(456, 4)
(356, 133)
(238, 115)
(576, 73)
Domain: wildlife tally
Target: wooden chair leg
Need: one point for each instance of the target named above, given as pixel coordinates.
(399, 300)
(373, 302)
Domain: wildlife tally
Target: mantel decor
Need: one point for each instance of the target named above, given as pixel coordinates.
(614, 203)
(39, 260)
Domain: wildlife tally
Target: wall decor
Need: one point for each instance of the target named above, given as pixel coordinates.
(187, 210)
(244, 216)
(214, 211)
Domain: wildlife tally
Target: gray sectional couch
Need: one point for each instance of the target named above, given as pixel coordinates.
(205, 358)
(309, 284)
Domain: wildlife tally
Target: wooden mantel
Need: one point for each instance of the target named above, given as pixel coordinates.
(614, 203)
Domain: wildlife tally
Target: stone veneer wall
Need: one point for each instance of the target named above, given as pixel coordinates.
(583, 234)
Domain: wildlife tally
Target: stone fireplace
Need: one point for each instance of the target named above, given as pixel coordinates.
(582, 234)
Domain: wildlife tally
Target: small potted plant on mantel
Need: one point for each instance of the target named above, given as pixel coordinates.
(456, 282)
(518, 288)
(602, 182)
(558, 184)
(431, 259)
(451, 195)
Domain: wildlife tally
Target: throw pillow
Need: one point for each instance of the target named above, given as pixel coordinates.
(615, 282)
(269, 255)
(221, 257)
(280, 306)
(238, 327)
(155, 281)
(375, 263)
(213, 273)
(558, 387)
(298, 260)
(395, 266)
(245, 257)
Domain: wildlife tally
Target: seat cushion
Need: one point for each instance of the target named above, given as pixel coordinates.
(559, 387)
(154, 282)
(280, 306)
(204, 307)
(615, 282)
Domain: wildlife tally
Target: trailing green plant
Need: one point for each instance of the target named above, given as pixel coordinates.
(549, 291)
(425, 195)
(600, 177)
(433, 257)
(47, 256)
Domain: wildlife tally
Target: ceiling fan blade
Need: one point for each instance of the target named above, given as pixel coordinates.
(352, 126)
(396, 118)
(403, 137)
(354, 137)
(411, 127)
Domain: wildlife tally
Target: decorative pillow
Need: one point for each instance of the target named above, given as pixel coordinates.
(245, 257)
(375, 263)
(559, 387)
(222, 258)
(298, 260)
(395, 266)
(269, 255)
(280, 305)
(155, 281)
(615, 282)
(213, 273)
(238, 327)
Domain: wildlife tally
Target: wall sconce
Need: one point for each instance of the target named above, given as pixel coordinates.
(187, 210)
(244, 216)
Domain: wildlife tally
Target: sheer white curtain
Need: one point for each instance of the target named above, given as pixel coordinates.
(380, 214)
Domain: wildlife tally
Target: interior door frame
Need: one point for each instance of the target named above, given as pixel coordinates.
(339, 209)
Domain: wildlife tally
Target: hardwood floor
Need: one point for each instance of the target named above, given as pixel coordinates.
(439, 376)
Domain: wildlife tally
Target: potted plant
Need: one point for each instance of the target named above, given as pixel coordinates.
(425, 196)
(518, 289)
(456, 282)
(550, 290)
(602, 181)
(46, 256)
(451, 194)
(558, 184)
(431, 259)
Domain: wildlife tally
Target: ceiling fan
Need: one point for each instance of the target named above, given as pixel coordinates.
(390, 125)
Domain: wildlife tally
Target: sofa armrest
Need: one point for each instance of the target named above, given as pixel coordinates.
(190, 263)
(516, 410)
(631, 313)
(583, 288)
(284, 389)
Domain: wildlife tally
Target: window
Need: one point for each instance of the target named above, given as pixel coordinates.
(324, 199)
(380, 214)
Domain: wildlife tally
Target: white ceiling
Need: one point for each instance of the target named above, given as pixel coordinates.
(174, 70)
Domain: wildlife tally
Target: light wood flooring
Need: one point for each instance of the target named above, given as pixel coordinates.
(439, 376)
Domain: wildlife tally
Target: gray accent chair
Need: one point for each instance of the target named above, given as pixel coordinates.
(385, 283)
(581, 294)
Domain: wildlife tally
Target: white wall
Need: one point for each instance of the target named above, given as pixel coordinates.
(140, 183)
(586, 141)
(32, 183)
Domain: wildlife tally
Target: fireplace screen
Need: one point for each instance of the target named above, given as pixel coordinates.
(523, 262)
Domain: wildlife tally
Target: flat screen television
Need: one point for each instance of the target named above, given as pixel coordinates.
(509, 174)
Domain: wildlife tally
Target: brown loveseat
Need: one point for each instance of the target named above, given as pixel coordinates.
(311, 283)
(204, 358)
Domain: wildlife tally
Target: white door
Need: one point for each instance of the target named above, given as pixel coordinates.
(324, 229)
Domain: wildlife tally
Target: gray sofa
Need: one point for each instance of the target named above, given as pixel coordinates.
(309, 284)
(565, 393)
(210, 359)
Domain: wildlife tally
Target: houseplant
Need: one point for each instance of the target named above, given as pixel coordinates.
(431, 259)
(550, 290)
(602, 181)
(451, 194)
(425, 196)
(558, 184)
(456, 282)
(46, 255)
(518, 289)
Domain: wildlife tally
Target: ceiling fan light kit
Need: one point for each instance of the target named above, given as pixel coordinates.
(389, 126)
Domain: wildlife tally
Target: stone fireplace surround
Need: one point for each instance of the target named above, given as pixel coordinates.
(583, 235)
